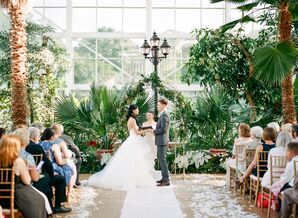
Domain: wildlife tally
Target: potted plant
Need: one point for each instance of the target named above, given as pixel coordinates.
(106, 144)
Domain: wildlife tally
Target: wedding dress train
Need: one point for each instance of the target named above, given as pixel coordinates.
(131, 167)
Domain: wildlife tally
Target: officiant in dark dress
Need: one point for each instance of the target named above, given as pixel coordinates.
(57, 181)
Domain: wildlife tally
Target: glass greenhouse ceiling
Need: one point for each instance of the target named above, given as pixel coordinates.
(104, 37)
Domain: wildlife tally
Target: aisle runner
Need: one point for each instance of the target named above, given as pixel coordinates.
(159, 202)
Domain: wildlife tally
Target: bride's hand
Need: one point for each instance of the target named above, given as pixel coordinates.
(150, 130)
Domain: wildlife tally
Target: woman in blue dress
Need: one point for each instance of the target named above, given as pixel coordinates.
(60, 165)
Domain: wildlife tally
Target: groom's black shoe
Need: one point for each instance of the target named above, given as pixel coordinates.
(160, 181)
(163, 183)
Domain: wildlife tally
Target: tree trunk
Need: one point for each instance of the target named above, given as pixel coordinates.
(19, 75)
(249, 96)
(285, 31)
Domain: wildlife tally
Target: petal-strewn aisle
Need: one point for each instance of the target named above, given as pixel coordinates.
(157, 203)
(196, 196)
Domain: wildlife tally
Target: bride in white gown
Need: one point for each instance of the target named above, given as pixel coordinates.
(132, 166)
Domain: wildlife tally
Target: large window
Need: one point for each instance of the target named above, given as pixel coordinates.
(104, 36)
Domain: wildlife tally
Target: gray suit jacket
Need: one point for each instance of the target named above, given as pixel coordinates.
(162, 130)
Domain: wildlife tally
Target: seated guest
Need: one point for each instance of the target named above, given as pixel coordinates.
(289, 197)
(38, 125)
(27, 199)
(269, 137)
(67, 154)
(59, 164)
(243, 139)
(56, 180)
(23, 135)
(75, 149)
(282, 141)
(295, 132)
(287, 127)
(287, 177)
(256, 133)
(41, 183)
(275, 126)
(2, 132)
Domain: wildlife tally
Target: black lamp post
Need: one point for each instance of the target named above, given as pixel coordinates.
(154, 58)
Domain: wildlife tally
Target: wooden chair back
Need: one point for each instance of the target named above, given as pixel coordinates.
(37, 158)
(262, 162)
(277, 165)
(249, 156)
(240, 154)
(7, 187)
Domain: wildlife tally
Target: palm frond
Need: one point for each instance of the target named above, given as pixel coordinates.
(273, 64)
(231, 25)
(249, 6)
(293, 8)
(65, 108)
(145, 104)
(231, 1)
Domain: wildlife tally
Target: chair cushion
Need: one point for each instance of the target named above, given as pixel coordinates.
(255, 178)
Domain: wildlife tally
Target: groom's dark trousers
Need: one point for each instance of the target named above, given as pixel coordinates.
(162, 157)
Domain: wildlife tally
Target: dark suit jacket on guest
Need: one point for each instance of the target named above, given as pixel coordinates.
(47, 167)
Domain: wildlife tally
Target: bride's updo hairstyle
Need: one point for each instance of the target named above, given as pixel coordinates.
(131, 108)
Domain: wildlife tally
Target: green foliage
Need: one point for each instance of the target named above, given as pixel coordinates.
(217, 58)
(278, 60)
(232, 24)
(213, 120)
(47, 64)
(91, 163)
(93, 118)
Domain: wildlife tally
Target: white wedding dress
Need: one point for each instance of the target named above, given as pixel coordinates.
(131, 167)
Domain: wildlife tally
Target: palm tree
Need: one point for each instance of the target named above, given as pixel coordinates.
(19, 75)
(274, 63)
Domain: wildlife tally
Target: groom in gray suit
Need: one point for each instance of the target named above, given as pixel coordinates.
(161, 140)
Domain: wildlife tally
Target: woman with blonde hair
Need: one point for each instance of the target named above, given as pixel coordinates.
(27, 199)
(244, 137)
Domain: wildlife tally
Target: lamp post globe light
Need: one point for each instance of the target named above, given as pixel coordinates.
(154, 48)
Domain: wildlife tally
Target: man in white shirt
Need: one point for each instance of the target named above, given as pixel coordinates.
(288, 175)
(290, 197)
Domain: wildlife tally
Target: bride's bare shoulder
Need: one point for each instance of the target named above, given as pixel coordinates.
(131, 120)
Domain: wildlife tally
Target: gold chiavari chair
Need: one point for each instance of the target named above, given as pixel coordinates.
(7, 191)
(277, 166)
(249, 156)
(239, 160)
(294, 206)
(255, 181)
(37, 158)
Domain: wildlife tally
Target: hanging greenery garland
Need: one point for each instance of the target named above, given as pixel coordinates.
(181, 105)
